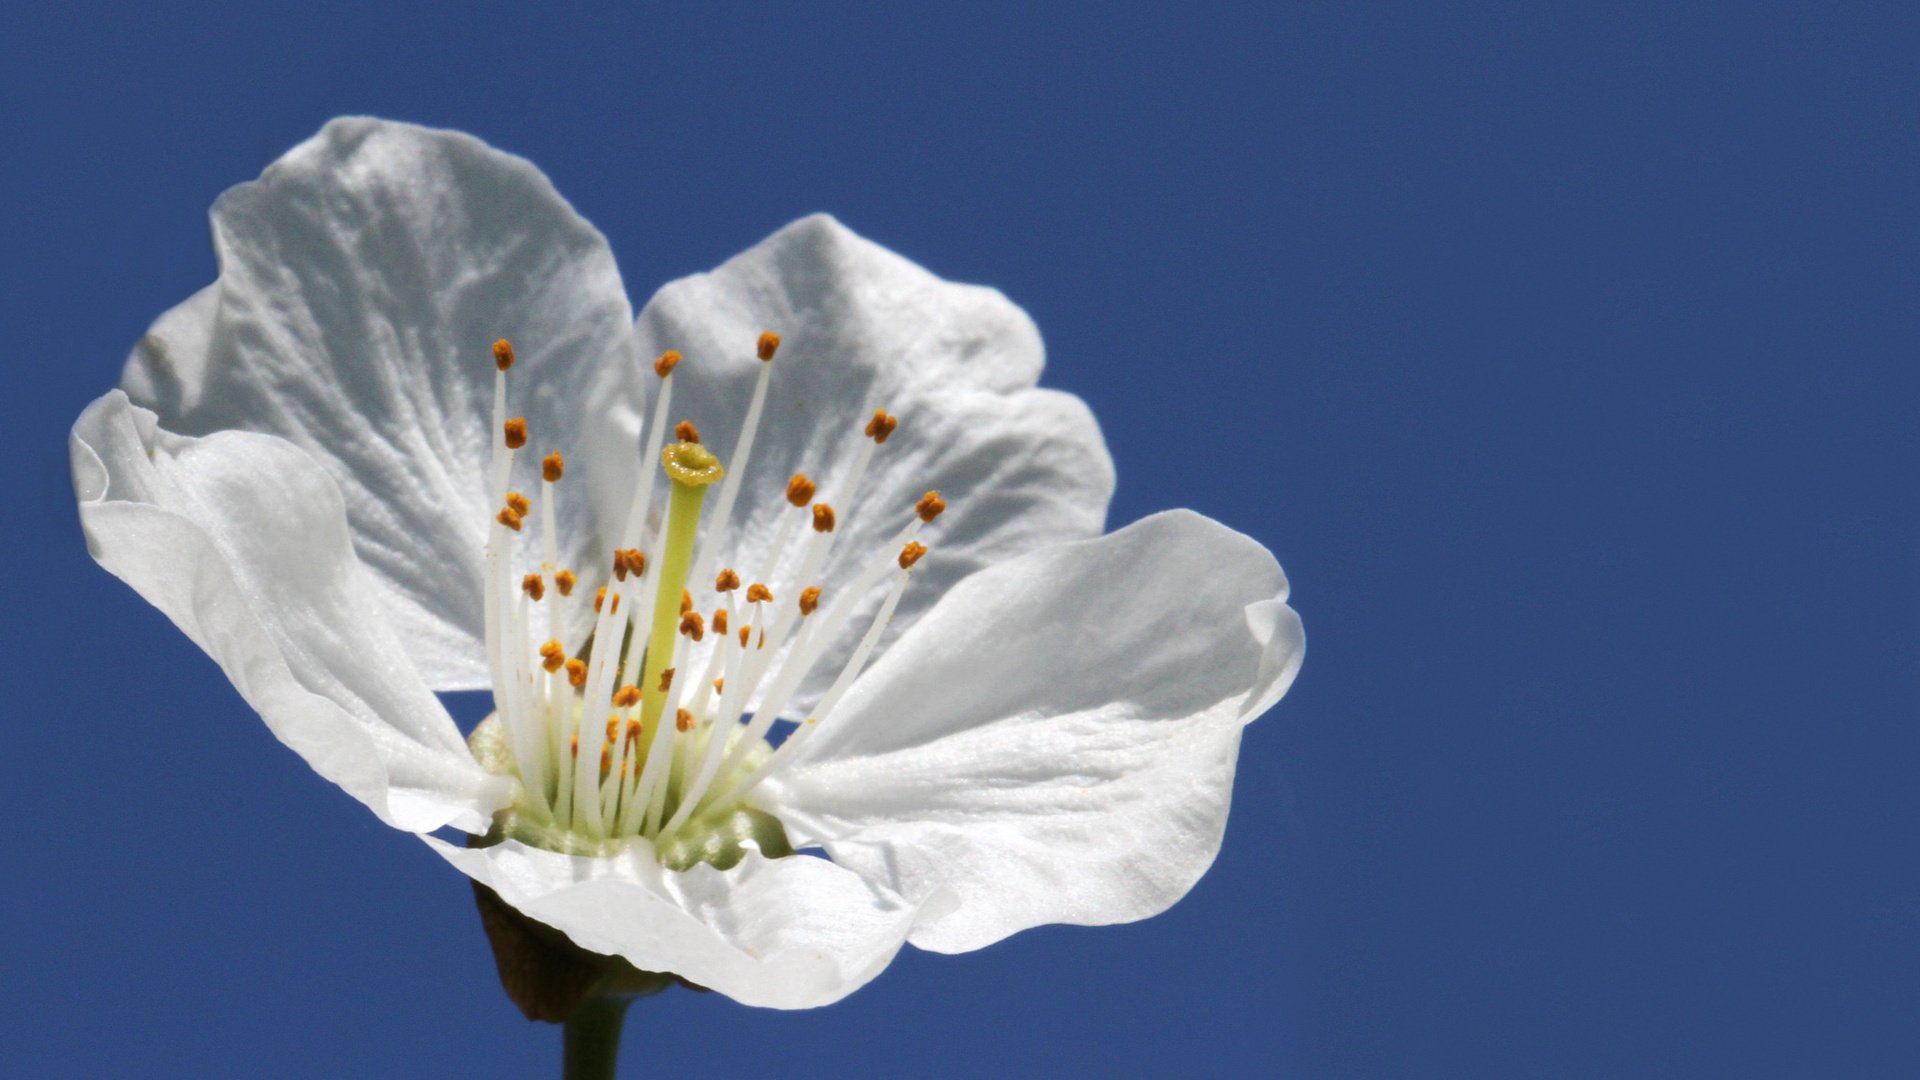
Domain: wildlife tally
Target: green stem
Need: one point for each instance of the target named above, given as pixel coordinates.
(593, 1037)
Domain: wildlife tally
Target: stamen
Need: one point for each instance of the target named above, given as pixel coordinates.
(577, 672)
(663, 367)
(881, 426)
(726, 582)
(516, 431)
(553, 656)
(666, 679)
(509, 518)
(769, 344)
(759, 594)
(719, 620)
(503, 354)
(552, 467)
(686, 601)
(564, 581)
(746, 632)
(822, 518)
(809, 600)
(627, 697)
(519, 503)
(534, 586)
(693, 626)
(800, 490)
(682, 720)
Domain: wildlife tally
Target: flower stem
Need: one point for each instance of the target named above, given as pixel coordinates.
(593, 1037)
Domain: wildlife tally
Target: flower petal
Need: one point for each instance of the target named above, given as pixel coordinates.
(242, 540)
(863, 329)
(1055, 741)
(790, 933)
(363, 279)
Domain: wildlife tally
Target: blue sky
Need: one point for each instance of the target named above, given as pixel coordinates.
(1564, 360)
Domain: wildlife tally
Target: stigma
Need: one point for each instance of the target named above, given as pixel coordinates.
(608, 745)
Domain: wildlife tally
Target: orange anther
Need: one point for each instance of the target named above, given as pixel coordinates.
(664, 366)
(930, 506)
(881, 426)
(666, 680)
(552, 466)
(746, 630)
(554, 648)
(534, 586)
(692, 625)
(564, 582)
(822, 517)
(686, 432)
(626, 697)
(758, 593)
(809, 599)
(507, 517)
(516, 430)
(577, 671)
(720, 685)
(800, 490)
(682, 720)
(726, 582)
(769, 344)
(719, 620)
(519, 503)
(911, 554)
(503, 354)
(686, 601)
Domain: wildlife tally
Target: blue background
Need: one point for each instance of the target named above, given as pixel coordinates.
(1565, 360)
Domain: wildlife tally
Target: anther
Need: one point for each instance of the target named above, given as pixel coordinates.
(600, 598)
(822, 518)
(636, 561)
(809, 599)
(626, 697)
(519, 503)
(720, 685)
(552, 466)
(516, 429)
(719, 620)
(686, 601)
(769, 344)
(682, 720)
(666, 679)
(930, 506)
(534, 586)
(692, 625)
(800, 490)
(664, 366)
(686, 432)
(746, 632)
(758, 593)
(911, 554)
(881, 425)
(726, 582)
(509, 518)
(564, 582)
(577, 672)
(503, 354)
(553, 656)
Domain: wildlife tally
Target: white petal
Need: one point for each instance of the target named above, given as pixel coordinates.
(790, 933)
(363, 279)
(1055, 741)
(863, 328)
(242, 540)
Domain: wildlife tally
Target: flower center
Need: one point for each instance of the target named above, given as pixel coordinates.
(655, 722)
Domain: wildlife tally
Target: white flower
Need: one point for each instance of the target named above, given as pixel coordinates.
(305, 469)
